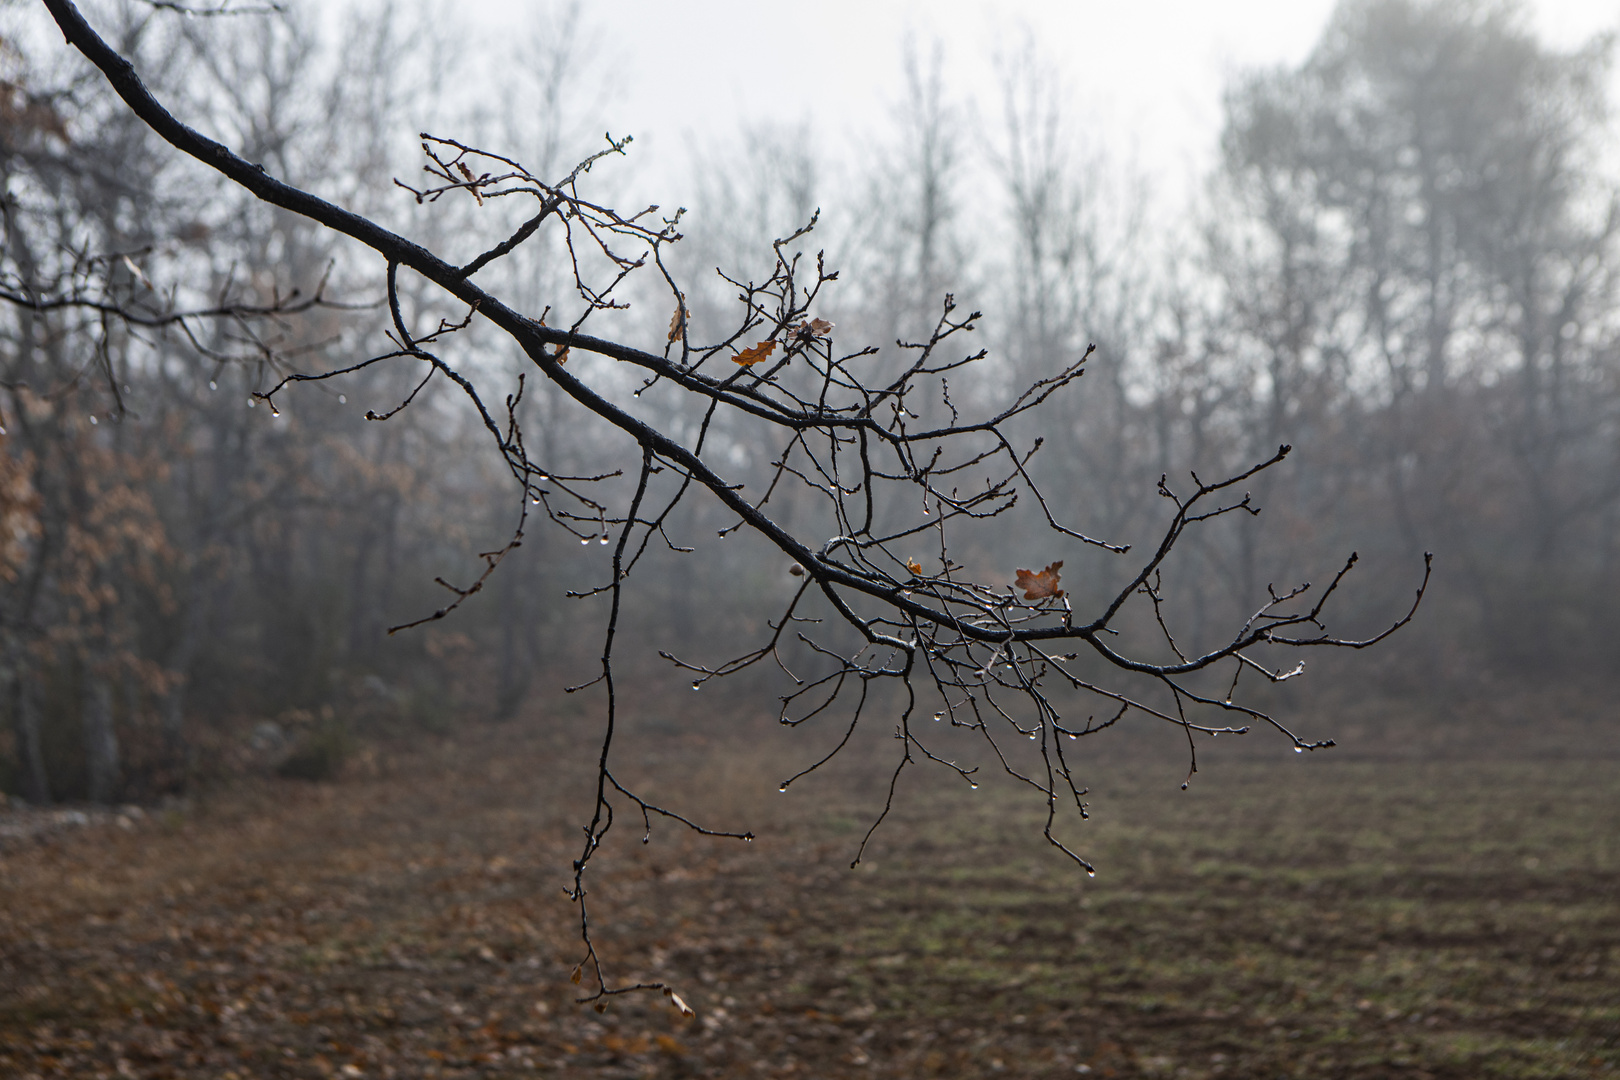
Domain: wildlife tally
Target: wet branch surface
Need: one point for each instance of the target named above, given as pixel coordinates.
(887, 458)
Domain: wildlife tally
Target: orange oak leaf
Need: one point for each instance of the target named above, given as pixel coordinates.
(750, 357)
(1041, 585)
(914, 566)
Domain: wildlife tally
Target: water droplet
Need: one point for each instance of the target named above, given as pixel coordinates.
(542, 478)
(783, 787)
(973, 785)
(343, 399)
(212, 385)
(1090, 872)
(585, 540)
(1073, 735)
(604, 540)
(536, 501)
(697, 685)
(1299, 749)
(636, 394)
(1184, 785)
(1032, 736)
(939, 716)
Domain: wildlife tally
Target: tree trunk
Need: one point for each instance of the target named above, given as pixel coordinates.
(36, 783)
(100, 740)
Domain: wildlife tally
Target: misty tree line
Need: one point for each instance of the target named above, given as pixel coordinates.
(1404, 267)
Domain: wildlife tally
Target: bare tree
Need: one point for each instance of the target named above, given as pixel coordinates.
(1418, 249)
(882, 622)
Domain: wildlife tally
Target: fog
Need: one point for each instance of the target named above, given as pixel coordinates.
(1069, 538)
(1270, 232)
(1145, 81)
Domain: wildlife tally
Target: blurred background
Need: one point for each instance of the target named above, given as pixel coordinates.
(1386, 233)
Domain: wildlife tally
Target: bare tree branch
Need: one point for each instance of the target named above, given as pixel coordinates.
(857, 444)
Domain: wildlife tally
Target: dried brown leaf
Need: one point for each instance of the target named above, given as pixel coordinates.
(677, 321)
(750, 357)
(811, 329)
(1041, 585)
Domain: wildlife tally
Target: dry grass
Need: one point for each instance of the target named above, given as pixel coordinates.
(1309, 917)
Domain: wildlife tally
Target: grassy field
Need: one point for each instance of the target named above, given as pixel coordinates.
(1312, 916)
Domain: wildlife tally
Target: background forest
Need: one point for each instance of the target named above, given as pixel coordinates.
(1404, 265)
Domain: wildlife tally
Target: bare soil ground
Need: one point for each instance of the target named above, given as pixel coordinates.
(1308, 917)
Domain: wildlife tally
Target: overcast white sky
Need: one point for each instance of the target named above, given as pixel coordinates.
(1145, 75)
